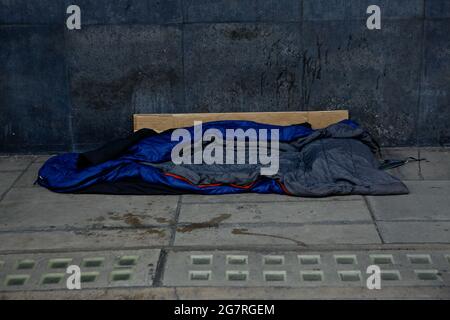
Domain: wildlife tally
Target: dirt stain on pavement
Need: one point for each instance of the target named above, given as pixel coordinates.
(247, 233)
(160, 233)
(132, 220)
(129, 218)
(164, 220)
(213, 223)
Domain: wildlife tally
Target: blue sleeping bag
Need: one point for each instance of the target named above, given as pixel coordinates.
(337, 160)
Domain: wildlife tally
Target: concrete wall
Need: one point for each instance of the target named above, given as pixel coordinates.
(66, 90)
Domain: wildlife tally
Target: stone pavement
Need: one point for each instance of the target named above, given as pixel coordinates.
(231, 246)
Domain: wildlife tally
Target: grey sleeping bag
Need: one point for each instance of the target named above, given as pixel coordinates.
(338, 160)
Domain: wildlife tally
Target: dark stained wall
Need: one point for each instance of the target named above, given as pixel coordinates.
(64, 90)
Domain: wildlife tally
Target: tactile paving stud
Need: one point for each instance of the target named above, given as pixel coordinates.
(200, 275)
(93, 262)
(201, 259)
(237, 275)
(52, 278)
(309, 259)
(350, 276)
(390, 275)
(274, 276)
(382, 259)
(345, 259)
(273, 260)
(237, 260)
(419, 258)
(17, 280)
(60, 263)
(427, 275)
(25, 264)
(311, 276)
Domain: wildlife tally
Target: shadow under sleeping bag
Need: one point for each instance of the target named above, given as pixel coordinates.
(337, 160)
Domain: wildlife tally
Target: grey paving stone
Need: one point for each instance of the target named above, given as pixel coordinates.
(350, 67)
(6, 180)
(242, 11)
(438, 165)
(277, 212)
(155, 293)
(233, 293)
(348, 9)
(37, 208)
(300, 235)
(102, 268)
(428, 200)
(183, 268)
(29, 177)
(144, 76)
(415, 232)
(258, 198)
(242, 67)
(84, 240)
(311, 293)
(435, 94)
(409, 171)
(15, 163)
(34, 92)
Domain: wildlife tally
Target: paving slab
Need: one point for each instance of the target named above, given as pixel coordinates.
(94, 294)
(428, 200)
(15, 163)
(84, 239)
(415, 232)
(30, 176)
(276, 212)
(259, 198)
(438, 165)
(6, 180)
(234, 293)
(409, 171)
(100, 269)
(40, 209)
(199, 234)
(306, 269)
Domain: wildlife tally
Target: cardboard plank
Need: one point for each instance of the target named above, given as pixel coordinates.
(161, 122)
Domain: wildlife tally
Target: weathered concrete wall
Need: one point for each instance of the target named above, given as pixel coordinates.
(66, 90)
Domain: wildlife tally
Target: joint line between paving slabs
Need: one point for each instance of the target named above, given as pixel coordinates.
(160, 267)
(372, 215)
(2, 196)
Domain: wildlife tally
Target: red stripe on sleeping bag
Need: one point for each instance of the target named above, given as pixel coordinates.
(284, 188)
(209, 185)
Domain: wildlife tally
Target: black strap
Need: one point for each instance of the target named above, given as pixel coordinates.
(113, 149)
(395, 163)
